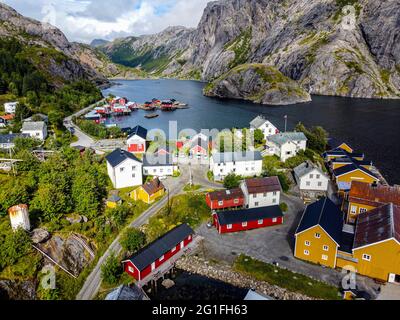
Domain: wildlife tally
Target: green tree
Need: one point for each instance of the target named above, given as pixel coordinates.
(84, 194)
(232, 181)
(24, 143)
(132, 240)
(14, 246)
(56, 118)
(258, 137)
(118, 215)
(111, 270)
(317, 137)
(13, 192)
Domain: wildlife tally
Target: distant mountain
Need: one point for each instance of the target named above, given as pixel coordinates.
(308, 41)
(50, 51)
(98, 43)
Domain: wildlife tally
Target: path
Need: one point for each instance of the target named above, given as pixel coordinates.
(93, 281)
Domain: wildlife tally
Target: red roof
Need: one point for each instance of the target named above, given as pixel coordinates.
(363, 192)
(153, 186)
(226, 194)
(263, 185)
(377, 225)
(8, 117)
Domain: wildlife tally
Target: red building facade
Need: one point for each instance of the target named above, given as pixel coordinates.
(225, 199)
(150, 258)
(243, 220)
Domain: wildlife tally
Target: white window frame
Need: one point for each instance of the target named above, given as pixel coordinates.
(161, 258)
(353, 209)
(325, 257)
(317, 235)
(244, 224)
(260, 222)
(229, 227)
(131, 269)
(307, 243)
(173, 250)
(367, 257)
(274, 220)
(325, 247)
(362, 210)
(306, 252)
(221, 203)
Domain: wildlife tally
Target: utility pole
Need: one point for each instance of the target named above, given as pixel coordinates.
(11, 159)
(190, 173)
(286, 117)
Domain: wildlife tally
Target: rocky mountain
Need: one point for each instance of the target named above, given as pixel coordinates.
(51, 52)
(325, 46)
(98, 43)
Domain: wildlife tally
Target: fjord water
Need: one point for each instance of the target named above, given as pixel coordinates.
(370, 126)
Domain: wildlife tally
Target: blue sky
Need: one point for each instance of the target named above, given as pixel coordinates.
(85, 20)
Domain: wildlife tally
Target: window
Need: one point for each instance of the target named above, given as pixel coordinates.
(244, 224)
(134, 175)
(275, 193)
(131, 270)
(366, 257)
(353, 209)
(173, 250)
(307, 243)
(318, 235)
(256, 204)
(324, 257)
(273, 200)
(318, 176)
(254, 196)
(220, 203)
(274, 220)
(229, 226)
(306, 252)
(133, 168)
(265, 195)
(308, 183)
(161, 259)
(325, 248)
(260, 222)
(319, 184)
(311, 176)
(121, 169)
(363, 210)
(236, 201)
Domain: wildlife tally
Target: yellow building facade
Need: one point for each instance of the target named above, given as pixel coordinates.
(141, 194)
(316, 246)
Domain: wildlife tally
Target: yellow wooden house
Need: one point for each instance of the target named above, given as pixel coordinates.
(149, 192)
(376, 246)
(344, 146)
(318, 235)
(364, 197)
(344, 176)
(113, 201)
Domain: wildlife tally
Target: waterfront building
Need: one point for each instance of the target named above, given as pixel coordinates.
(344, 176)
(159, 252)
(267, 128)
(124, 169)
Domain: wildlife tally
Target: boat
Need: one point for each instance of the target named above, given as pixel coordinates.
(151, 116)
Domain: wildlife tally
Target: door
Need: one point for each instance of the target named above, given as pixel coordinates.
(153, 266)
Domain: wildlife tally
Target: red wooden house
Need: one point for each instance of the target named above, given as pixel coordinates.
(137, 140)
(242, 220)
(198, 147)
(158, 252)
(225, 199)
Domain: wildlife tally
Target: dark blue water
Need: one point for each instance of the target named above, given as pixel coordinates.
(370, 126)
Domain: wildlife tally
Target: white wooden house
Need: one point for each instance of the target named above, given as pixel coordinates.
(261, 192)
(124, 169)
(265, 126)
(37, 130)
(10, 107)
(246, 164)
(312, 181)
(286, 145)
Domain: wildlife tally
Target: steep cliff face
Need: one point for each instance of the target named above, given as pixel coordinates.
(51, 51)
(258, 83)
(326, 47)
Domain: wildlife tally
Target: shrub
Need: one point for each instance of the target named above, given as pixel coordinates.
(132, 240)
(111, 270)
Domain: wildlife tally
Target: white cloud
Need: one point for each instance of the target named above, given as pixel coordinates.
(85, 20)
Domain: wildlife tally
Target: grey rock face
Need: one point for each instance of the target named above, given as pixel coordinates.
(17, 290)
(260, 84)
(309, 41)
(40, 235)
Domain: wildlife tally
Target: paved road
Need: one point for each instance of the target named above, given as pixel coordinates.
(93, 282)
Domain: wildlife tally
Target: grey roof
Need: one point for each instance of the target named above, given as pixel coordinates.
(325, 214)
(237, 156)
(33, 126)
(126, 293)
(305, 168)
(161, 246)
(118, 156)
(9, 138)
(258, 122)
(282, 138)
(41, 115)
(151, 160)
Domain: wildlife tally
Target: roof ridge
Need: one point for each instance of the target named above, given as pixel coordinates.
(391, 211)
(322, 210)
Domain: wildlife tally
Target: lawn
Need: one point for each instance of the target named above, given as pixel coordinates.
(190, 208)
(286, 279)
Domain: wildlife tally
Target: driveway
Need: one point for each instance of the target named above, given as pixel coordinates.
(389, 292)
(272, 245)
